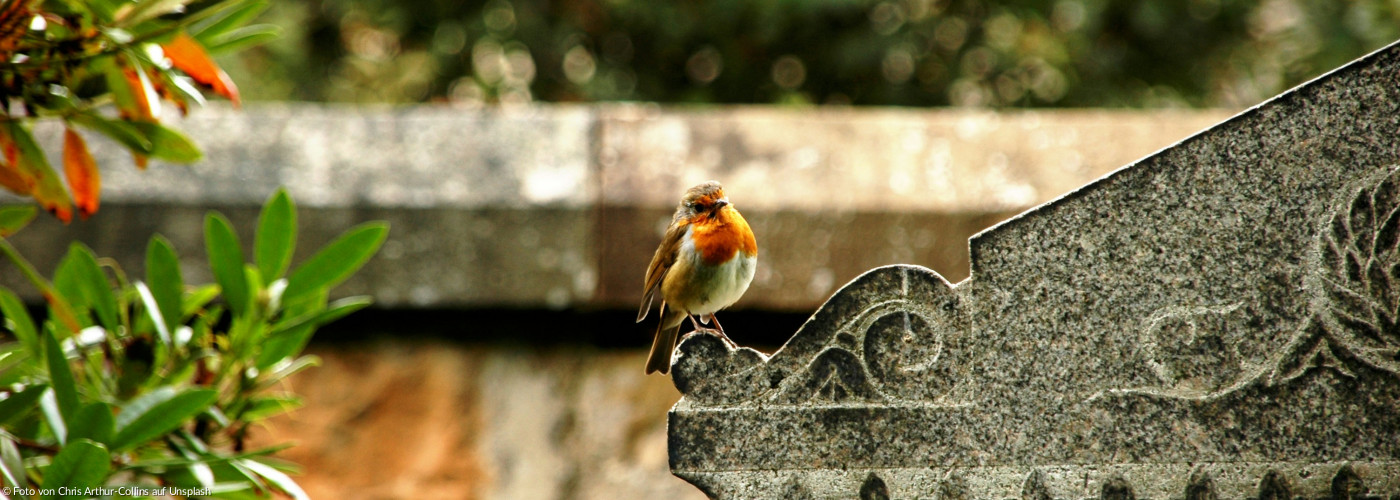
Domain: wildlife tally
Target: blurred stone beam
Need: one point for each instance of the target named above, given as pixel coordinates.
(561, 206)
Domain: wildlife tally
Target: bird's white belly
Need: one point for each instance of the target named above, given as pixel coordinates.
(723, 284)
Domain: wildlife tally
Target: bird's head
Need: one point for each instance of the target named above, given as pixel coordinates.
(704, 200)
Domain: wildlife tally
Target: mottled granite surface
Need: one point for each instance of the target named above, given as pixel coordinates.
(1218, 320)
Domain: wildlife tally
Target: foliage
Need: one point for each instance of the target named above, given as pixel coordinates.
(148, 381)
(68, 58)
(869, 52)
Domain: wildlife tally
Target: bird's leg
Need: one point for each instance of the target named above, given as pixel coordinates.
(682, 336)
(722, 335)
(697, 329)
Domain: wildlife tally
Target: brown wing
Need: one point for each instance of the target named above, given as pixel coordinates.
(660, 264)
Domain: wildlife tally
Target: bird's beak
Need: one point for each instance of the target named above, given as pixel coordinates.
(721, 203)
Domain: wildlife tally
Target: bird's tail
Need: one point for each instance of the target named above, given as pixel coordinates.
(664, 342)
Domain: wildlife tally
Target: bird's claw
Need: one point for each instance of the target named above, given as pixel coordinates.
(715, 332)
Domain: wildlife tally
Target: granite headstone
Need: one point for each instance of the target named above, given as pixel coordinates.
(1217, 320)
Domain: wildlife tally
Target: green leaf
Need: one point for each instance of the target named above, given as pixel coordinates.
(214, 460)
(242, 38)
(14, 218)
(12, 354)
(80, 465)
(93, 284)
(234, 471)
(149, 9)
(197, 298)
(276, 238)
(290, 342)
(287, 344)
(163, 277)
(19, 404)
(17, 320)
(161, 418)
(93, 422)
(235, 491)
(227, 21)
(121, 131)
(125, 95)
(12, 473)
(69, 285)
(336, 310)
(226, 261)
(254, 279)
(336, 261)
(18, 366)
(65, 389)
(277, 478)
(48, 405)
(105, 9)
(218, 415)
(139, 405)
(184, 88)
(169, 145)
(260, 408)
(199, 473)
(278, 371)
(152, 309)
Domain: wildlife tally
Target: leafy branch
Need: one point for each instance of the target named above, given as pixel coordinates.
(107, 66)
(155, 381)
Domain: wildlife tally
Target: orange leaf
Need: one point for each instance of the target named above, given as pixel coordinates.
(164, 93)
(186, 54)
(11, 176)
(147, 102)
(81, 171)
(11, 179)
(26, 158)
(8, 145)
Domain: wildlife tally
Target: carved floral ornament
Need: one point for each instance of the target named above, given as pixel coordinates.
(1353, 314)
(1357, 281)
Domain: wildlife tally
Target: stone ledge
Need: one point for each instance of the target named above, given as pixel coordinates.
(562, 206)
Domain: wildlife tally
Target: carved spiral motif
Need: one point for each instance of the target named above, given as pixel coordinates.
(1360, 274)
(903, 353)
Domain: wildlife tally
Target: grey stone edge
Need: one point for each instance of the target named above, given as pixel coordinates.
(839, 362)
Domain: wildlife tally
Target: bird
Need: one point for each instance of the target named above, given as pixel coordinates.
(705, 263)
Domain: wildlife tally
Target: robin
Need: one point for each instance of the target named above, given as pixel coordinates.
(705, 263)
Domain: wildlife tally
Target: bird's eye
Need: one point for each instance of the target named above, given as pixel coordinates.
(691, 205)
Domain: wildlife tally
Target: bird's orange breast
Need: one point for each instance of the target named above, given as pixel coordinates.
(718, 238)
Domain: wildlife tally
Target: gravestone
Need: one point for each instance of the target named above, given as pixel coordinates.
(1218, 320)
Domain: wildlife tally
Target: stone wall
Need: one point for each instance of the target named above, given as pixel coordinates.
(415, 418)
(561, 208)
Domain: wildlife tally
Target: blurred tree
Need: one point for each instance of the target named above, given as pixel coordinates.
(869, 52)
